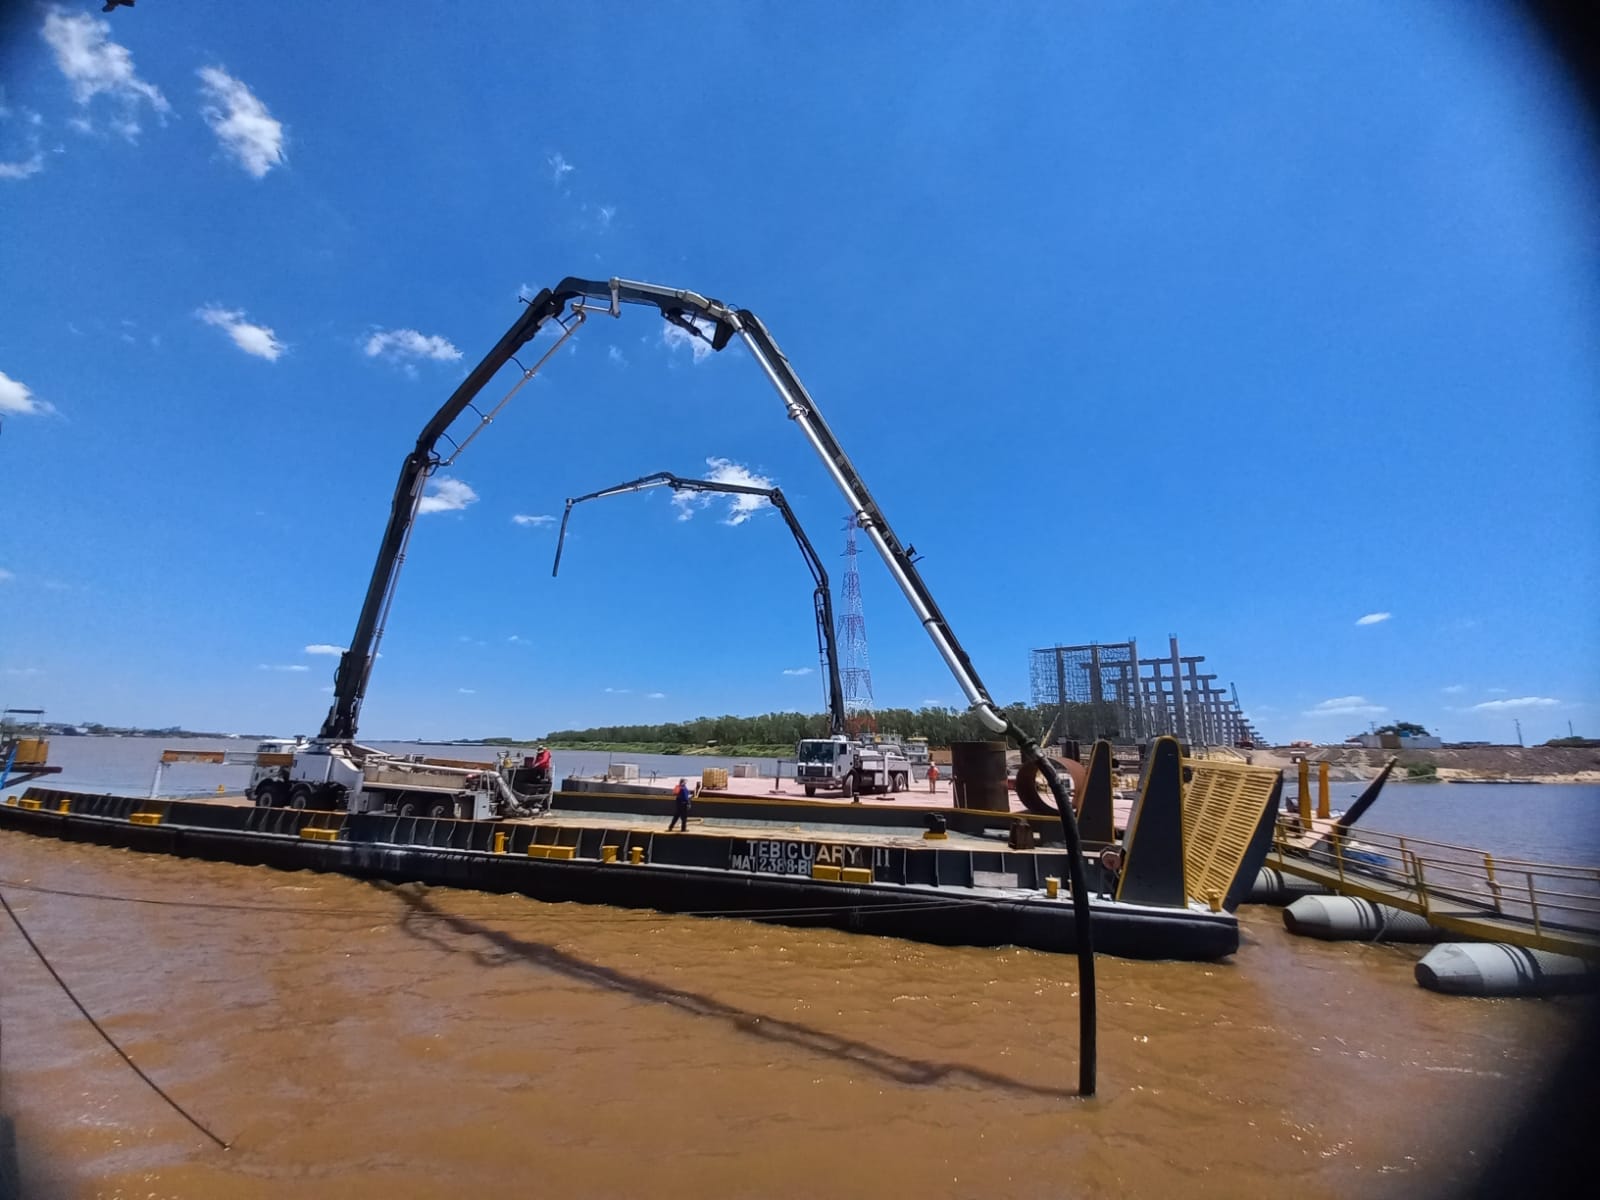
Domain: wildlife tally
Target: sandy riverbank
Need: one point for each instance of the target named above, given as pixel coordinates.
(1547, 764)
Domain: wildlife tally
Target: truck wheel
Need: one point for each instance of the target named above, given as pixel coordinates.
(407, 808)
(268, 794)
(811, 789)
(300, 796)
(897, 782)
(441, 808)
(850, 785)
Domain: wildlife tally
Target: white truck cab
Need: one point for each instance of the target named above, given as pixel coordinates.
(837, 763)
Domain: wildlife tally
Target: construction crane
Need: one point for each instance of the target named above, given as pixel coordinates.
(822, 596)
(332, 765)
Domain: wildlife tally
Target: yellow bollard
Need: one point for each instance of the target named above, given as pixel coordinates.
(608, 854)
(221, 789)
(1305, 792)
(499, 841)
(636, 855)
(1323, 809)
(1052, 886)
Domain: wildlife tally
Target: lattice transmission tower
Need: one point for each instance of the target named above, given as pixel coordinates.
(853, 634)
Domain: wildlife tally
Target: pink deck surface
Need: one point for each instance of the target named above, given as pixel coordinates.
(917, 795)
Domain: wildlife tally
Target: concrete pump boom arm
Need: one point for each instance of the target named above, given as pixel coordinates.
(822, 596)
(355, 664)
(694, 313)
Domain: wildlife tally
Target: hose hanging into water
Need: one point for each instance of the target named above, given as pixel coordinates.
(1078, 884)
(123, 1054)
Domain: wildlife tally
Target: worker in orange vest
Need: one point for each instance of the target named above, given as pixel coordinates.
(933, 777)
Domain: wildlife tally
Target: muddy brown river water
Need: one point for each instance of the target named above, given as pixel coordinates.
(359, 1040)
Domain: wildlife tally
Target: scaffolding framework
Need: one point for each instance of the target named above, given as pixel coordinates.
(1124, 695)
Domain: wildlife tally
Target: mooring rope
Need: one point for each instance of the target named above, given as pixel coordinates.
(98, 1028)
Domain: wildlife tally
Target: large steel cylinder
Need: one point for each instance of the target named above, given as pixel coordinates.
(979, 773)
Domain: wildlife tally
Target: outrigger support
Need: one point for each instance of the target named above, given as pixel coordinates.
(716, 324)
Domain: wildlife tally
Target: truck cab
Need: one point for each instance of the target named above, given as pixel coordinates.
(826, 763)
(269, 772)
(837, 763)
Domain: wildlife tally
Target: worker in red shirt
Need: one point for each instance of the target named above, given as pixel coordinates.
(933, 777)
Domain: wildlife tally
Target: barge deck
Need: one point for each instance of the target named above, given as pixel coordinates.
(869, 875)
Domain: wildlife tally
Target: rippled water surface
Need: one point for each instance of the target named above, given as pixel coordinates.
(358, 1040)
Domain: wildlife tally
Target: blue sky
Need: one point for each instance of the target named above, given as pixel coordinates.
(1236, 321)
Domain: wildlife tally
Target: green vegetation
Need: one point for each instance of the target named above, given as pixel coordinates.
(775, 734)
(1421, 771)
(1404, 729)
(1574, 743)
(737, 750)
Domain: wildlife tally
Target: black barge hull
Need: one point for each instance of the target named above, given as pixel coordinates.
(925, 895)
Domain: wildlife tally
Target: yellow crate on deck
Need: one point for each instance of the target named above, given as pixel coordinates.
(715, 778)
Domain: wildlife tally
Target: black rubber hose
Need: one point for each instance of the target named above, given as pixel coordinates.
(1078, 883)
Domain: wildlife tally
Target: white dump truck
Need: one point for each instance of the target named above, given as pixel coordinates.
(850, 768)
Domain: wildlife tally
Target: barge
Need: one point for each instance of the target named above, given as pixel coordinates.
(951, 877)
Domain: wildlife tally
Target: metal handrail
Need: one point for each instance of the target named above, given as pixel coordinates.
(1512, 888)
(1375, 836)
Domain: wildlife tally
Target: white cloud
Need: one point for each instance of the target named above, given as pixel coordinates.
(241, 122)
(24, 671)
(6, 576)
(656, 696)
(1455, 689)
(399, 344)
(22, 168)
(618, 691)
(605, 213)
(1345, 706)
(446, 495)
(1517, 703)
(740, 508)
(518, 638)
(527, 519)
(17, 397)
(1495, 691)
(324, 648)
(468, 691)
(560, 168)
(1373, 618)
(283, 667)
(674, 337)
(798, 670)
(96, 65)
(252, 339)
(616, 356)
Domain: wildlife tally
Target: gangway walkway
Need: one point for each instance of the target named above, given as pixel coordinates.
(1458, 889)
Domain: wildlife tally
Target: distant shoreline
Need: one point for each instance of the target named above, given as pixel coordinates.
(738, 750)
(1477, 764)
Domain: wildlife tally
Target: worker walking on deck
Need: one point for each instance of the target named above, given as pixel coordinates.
(681, 799)
(933, 777)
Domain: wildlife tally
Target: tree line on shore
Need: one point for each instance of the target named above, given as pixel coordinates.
(940, 726)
